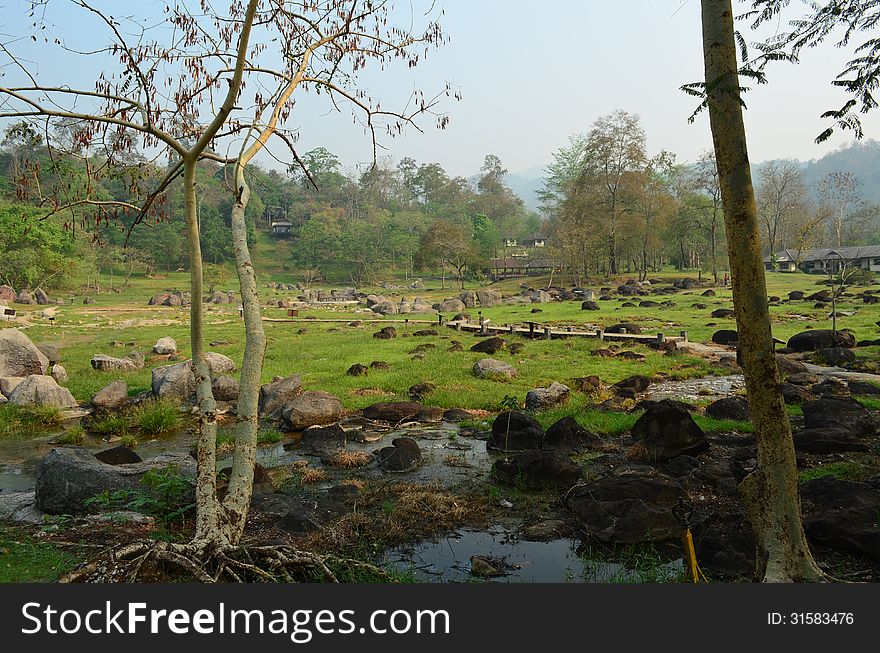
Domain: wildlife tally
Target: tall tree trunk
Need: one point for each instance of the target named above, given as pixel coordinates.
(241, 479)
(770, 493)
(713, 243)
(208, 518)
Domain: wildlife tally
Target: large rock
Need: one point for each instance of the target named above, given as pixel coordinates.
(515, 431)
(494, 370)
(402, 456)
(8, 384)
(816, 339)
(489, 345)
(628, 509)
(624, 327)
(24, 297)
(488, 298)
(468, 298)
(225, 388)
(68, 476)
(835, 356)
(542, 398)
(178, 382)
(324, 442)
(538, 469)
(725, 337)
(129, 363)
(19, 356)
(828, 440)
(120, 455)
(839, 412)
(111, 397)
(7, 293)
(50, 351)
(842, 515)
(165, 346)
(59, 373)
(567, 436)
(278, 394)
(453, 305)
(311, 408)
(730, 408)
(393, 411)
(40, 390)
(666, 430)
(788, 366)
(41, 297)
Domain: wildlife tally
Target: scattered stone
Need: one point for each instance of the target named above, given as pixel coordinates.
(225, 388)
(311, 408)
(835, 356)
(41, 297)
(419, 391)
(489, 345)
(456, 415)
(863, 388)
(19, 356)
(542, 398)
(794, 394)
(358, 370)
(380, 365)
(323, 441)
(624, 327)
(51, 352)
(494, 370)
(816, 339)
(7, 293)
(515, 431)
(708, 293)
(723, 313)
(725, 337)
(632, 384)
(40, 390)
(667, 430)
(628, 509)
(538, 469)
(453, 305)
(386, 333)
(177, 382)
(394, 412)
(828, 440)
(567, 436)
(486, 567)
(424, 333)
(165, 346)
(789, 366)
(842, 515)
(839, 412)
(730, 408)
(20, 508)
(59, 373)
(590, 306)
(111, 397)
(68, 476)
(130, 363)
(404, 455)
(796, 295)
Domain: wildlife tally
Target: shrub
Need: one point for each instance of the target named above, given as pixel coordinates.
(156, 417)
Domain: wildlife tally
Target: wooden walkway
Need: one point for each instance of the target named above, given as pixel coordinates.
(535, 330)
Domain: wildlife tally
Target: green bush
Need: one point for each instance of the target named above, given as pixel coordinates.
(156, 417)
(166, 497)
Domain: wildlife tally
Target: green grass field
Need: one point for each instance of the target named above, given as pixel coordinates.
(324, 352)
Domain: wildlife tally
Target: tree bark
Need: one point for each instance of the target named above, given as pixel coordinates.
(770, 493)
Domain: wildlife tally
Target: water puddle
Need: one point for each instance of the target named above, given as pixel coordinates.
(557, 561)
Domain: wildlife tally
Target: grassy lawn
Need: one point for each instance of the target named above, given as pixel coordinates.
(25, 560)
(324, 352)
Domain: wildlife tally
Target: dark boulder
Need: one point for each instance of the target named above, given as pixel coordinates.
(835, 356)
(537, 469)
(404, 455)
(386, 333)
(725, 337)
(358, 370)
(828, 440)
(567, 436)
(842, 515)
(794, 394)
(323, 441)
(730, 408)
(635, 384)
(628, 509)
(839, 412)
(489, 345)
(667, 430)
(624, 327)
(393, 411)
(515, 431)
(722, 313)
(590, 306)
(816, 339)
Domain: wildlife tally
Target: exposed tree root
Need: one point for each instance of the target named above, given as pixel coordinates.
(212, 564)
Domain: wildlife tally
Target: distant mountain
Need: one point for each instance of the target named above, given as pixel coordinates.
(526, 185)
(861, 159)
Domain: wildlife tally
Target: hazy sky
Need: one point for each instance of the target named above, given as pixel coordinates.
(533, 73)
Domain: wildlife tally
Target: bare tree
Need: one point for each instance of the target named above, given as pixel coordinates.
(770, 493)
(158, 96)
(840, 191)
(781, 198)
